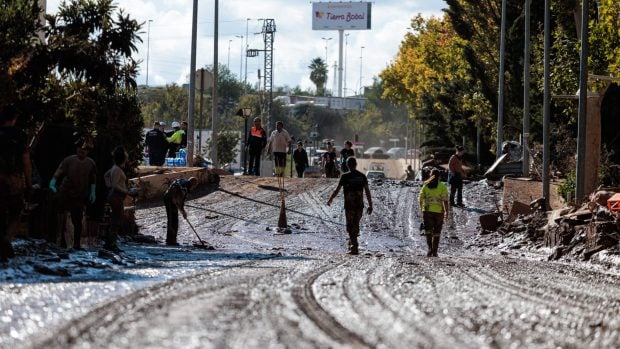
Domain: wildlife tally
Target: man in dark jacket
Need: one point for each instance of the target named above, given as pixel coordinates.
(174, 199)
(15, 179)
(157, 145)
(300, 157)
(257, 140)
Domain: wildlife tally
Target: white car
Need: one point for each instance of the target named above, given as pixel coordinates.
(397, 153)
(372, 152)
(375, 175)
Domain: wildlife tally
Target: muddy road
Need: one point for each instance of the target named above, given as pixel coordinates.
(263, 289)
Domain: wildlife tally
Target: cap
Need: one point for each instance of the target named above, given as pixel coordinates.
(175, 124)
(162, 123)
(300, 143)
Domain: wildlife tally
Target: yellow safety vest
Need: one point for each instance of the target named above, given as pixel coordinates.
(431, 199)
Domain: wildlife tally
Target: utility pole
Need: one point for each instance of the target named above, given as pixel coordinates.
(546, 103)
(214, 103)
(500, 101)
(240, 56)
(361, 57)
(583, 100)
(346, 43)
(245, 78)
(526, 93)
(148, 49)
(192, 87)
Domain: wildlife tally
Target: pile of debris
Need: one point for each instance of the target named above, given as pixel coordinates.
(572, 232)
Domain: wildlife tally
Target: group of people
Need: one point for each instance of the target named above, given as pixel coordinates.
(160, 143)
(74, 183)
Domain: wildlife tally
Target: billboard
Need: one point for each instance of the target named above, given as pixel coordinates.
(340, 15)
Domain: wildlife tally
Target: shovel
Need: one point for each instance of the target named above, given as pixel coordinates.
(202, 243)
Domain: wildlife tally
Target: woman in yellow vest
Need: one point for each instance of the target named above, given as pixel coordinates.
(434, 205)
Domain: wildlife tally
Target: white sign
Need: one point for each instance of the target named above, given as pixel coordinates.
(340, 15)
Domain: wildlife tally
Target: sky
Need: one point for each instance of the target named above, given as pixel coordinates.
(168, 41)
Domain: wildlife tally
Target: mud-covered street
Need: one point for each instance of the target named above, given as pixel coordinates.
(263, 289)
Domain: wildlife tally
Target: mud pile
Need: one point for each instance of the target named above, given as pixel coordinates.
(574, 233)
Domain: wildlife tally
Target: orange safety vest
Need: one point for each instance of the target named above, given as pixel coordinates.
(256, 132)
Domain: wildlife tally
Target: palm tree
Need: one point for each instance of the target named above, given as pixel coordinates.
(318, 75)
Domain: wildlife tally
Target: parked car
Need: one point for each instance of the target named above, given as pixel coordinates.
(375, 175)
(397, 153)
(376, 153)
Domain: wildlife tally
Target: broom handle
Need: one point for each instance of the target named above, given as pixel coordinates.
(194, 230)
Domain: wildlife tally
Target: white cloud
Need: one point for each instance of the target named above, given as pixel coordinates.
(295, 43)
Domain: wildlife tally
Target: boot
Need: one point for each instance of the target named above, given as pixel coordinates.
(353, 247)
(6, 250)
(429, 242)
(435, 245)
(77, 238)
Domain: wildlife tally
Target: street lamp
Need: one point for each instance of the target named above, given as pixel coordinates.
(326, 41)
(245, 113)
(245, 78)
(346, 43)
(361, 57)
(148, 42)
(228, 62)
(240, 56)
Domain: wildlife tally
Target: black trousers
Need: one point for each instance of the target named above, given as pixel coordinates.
(456, 188)
(300, 170)
(172, 214)
(254, 163)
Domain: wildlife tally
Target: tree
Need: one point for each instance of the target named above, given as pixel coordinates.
(318, 75)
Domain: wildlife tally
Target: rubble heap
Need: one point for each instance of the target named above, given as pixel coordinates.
(572, 232)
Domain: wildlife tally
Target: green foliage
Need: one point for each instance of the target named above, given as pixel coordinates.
(566, 189)
(318, 75)
(227, 150)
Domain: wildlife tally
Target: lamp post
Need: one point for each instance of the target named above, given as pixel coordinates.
(228, 61)
(245, 113)
(326, 42)
(245, 78)
(240, 56)
(346, 43)
(148, 44)
(361, 57)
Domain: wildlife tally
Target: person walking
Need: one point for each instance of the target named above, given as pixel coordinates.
(257, 140)
(156, 145)
(174, 200)
(329, 162)
(300, 157)
(455, 176)
(346, 153)
(116, 181)
(77, 177)
(278, 145)
(15, 180)
(175, 140)
(184, 126)
(434, 206)
(354, 184)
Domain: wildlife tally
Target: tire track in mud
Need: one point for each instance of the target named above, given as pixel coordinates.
(386, 318)
(535, 313)
(111, 313)
(306, 300)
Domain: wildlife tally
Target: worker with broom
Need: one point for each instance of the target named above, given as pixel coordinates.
(174, 199)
